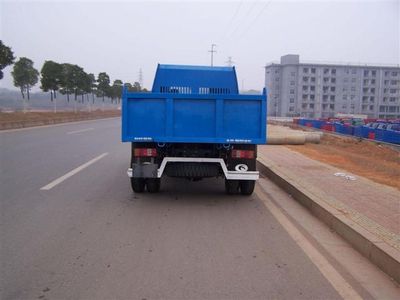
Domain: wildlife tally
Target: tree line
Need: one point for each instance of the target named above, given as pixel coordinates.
(65, 78)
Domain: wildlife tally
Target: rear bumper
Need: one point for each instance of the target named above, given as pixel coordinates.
(231, 175)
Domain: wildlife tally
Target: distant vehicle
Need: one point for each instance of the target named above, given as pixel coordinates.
(194, 124)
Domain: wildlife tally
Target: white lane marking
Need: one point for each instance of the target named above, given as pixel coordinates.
(71, 173)
(344, 289)
(79, 131)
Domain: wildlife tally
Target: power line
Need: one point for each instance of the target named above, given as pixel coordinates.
(247, 14)
(226, 29)
(255, 19)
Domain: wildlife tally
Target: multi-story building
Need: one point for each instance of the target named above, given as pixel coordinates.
(324, 90)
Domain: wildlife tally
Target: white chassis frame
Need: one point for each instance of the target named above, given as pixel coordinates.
(231, 175)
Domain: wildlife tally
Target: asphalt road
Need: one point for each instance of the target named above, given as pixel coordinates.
(89, 236)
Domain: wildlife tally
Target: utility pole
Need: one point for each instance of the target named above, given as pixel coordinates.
(212, 53)
(230, 62)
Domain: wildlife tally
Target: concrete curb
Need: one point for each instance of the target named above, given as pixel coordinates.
(377, 251)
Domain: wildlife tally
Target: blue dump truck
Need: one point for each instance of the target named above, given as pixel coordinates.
(194, 124)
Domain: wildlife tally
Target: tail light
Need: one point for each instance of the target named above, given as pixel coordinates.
(145, 152)
(242, 153)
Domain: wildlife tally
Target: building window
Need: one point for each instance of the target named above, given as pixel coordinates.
(333, 80)
(291, 100)
(333, 71)
(325, 97)
(331, 106)
(344, 97)
(305, 70)
(394, 82)
(353, 71)
(384, 99)
(292, 83)
(371, 99)
(371, 107)
(387, 73)
(392, 108)
(373, 73)
(276, 78)
(394, 73)
(292, 92)
(291, 108)
(311, 105)
(366, 72)
(373, 90)
(305, 79)
(353, 80)
(332, 98)
(313, 70)
(392, 99)
(346, 80)
(353, 88)
(312, 88)
(382, 108)
(312, 97)
(393, 91)
(333, 88)
(373, 81)
(365, 98)
(304, 105)
(312, 79)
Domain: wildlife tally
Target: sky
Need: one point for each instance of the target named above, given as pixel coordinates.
(122, 37)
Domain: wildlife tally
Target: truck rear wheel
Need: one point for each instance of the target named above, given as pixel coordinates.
(153, 185)
(247, 187)
(231, 187)
(137, 184)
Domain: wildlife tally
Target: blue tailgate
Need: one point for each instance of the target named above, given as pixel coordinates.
(190, 104)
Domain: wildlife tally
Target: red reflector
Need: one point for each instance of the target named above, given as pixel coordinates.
(149, 152)
(242, 153)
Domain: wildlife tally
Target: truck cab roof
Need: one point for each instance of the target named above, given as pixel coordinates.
(189, 79)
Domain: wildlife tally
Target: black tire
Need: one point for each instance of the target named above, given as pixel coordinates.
(153, 185)
(247, 187)
(138, 184)
(231, 187)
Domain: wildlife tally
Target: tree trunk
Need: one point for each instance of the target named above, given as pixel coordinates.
(68, 96)
(27, 91)
(51, 95)
(22, 93)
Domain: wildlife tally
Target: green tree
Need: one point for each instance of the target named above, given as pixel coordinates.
(67, 80)
(128, 86)
(93, 86)
(6, 57)
(103, 86)
(117, 90)
(136, 87)
(51, 77)
(25, 75)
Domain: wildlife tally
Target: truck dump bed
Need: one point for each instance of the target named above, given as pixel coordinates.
(191, 104)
